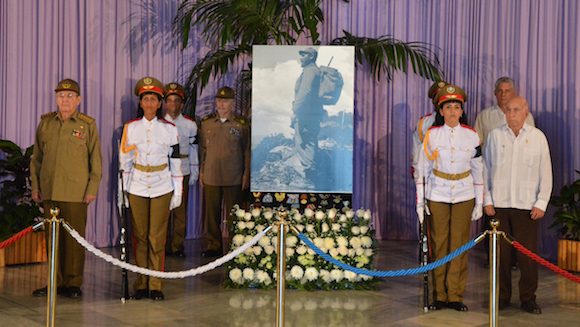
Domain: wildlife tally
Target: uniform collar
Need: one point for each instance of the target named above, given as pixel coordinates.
(451, 129)
(74, 115)
(170, 119)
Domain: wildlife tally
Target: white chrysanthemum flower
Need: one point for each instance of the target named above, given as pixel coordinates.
(311, 274)
(308, 213)
(236, 276)
(341, 241)
(336, 227)
(256, 212)
(248, 238)
(300, 228)
(301, 249)
(319, 243)
(249, 251)
(366, 277)
(351, 253)
(238, 240)
(333, 252)
(268, 214)
(349, 275)
(240, 213)
(366, 241)
(325, 275)
(343, 250)
(297, 217)
(309, 228)
(241, 225)
(297, 272)
(264, 241)
(248, 274)
(269, 265)
(257, 250)
(329, 243)
(367, 215)
(349, 214)
(289, 252)
(355, 230)
(325, 228)
(319, 215)
(311, 252)
(291, 241)
(267, 280)
(269, 250)
(364, 229)
(260, 228)
(342, 218)
(368, 252)
(355, 242)
(261, 276)
(247, 216)
(275, 240)
(360, 213)
(331, 213)
(359, 251)
(336, 275)
(250, 225)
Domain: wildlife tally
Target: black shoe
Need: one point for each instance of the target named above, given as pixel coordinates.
(211, 253)
(44, 291)
(140, 294)
(157, 296)
(179, 253)
(514, 267)
(531, 307)
(459, 306)
(74, 292)
(437, 305)
(503, 304)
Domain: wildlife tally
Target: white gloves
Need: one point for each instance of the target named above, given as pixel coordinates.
(422, 210)
(175, 201)
(477, 212)
(120, 194)
(177, 192)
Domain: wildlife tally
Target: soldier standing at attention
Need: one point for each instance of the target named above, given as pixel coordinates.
(65, 172)
(225, 166)
(187, 130)
(149, 158)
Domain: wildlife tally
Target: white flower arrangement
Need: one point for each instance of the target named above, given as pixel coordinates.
(346, 235)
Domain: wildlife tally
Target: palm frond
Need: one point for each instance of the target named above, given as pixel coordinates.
(386, 54)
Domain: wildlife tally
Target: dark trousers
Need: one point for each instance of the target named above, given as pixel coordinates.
(71, 255)
(523, 229)
(177, 229)
(213, 198)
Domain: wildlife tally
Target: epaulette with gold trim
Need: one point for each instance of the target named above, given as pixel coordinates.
(85, 118)
(49, 115)
(240, 119)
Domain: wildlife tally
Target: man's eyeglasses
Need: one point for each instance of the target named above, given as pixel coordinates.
(68, 95)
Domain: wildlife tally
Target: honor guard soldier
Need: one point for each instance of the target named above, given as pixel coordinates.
(187, 130)
(225, 166)
(65, 172)
(151, 164)
(424, 124)
(452, 166)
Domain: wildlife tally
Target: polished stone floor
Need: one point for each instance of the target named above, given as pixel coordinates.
(202, 301)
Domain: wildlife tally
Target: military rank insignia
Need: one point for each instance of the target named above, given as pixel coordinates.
(235, 131)
(78, 134)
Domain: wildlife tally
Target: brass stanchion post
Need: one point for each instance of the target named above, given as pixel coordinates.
(494, 273)
(51, 298)
(281, 266)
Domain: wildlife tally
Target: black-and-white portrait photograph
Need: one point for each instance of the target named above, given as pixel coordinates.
(302, 118)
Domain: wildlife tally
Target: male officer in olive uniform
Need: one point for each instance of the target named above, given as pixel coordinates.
(187, 129)
(225, 166)
(65, 172)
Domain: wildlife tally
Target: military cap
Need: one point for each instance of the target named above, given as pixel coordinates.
(68, 85)
(149, 85)
(174, 88)
(450, 93)
(435, 88)
(225, 92)
(308, 51)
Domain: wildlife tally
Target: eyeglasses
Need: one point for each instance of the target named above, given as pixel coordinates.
(68, 95)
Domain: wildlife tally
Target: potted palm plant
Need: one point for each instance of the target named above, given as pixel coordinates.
(567, 219)
(17, 210)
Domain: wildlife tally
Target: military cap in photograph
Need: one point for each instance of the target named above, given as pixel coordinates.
(450, 93)
(311, 51)
(225, 92)
(174, 88)
(149, 85)
(68, 85)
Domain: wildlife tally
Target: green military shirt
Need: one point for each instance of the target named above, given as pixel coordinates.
(225, 150)
(66, 158)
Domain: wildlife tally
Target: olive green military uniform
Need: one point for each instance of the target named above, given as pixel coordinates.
(65, 167)
(225, 160)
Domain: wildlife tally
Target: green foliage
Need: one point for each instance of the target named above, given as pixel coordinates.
(17, 210)
(567, 218)
(233, 26)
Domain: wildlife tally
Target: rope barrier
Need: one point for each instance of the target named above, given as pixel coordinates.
(16, 237)
(162, 274)
(391, 273)
(518, 246)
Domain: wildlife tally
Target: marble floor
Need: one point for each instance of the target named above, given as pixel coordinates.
(203, 301)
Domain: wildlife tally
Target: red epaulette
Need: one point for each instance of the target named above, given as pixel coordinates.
(187, 117)
(469, 127)
(425, 116)
(166, 121)
(133, 120)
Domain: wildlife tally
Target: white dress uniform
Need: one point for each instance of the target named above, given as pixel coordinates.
(423, 126)
(187, 130)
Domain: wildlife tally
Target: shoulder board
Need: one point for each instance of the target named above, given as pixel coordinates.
(427, 115)
(166, 122)
(49, 115)
(468, 127)
(435, 127)
(208, 116)
(86, 119)
(240, 120)
(189, 118)
(133, 120)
